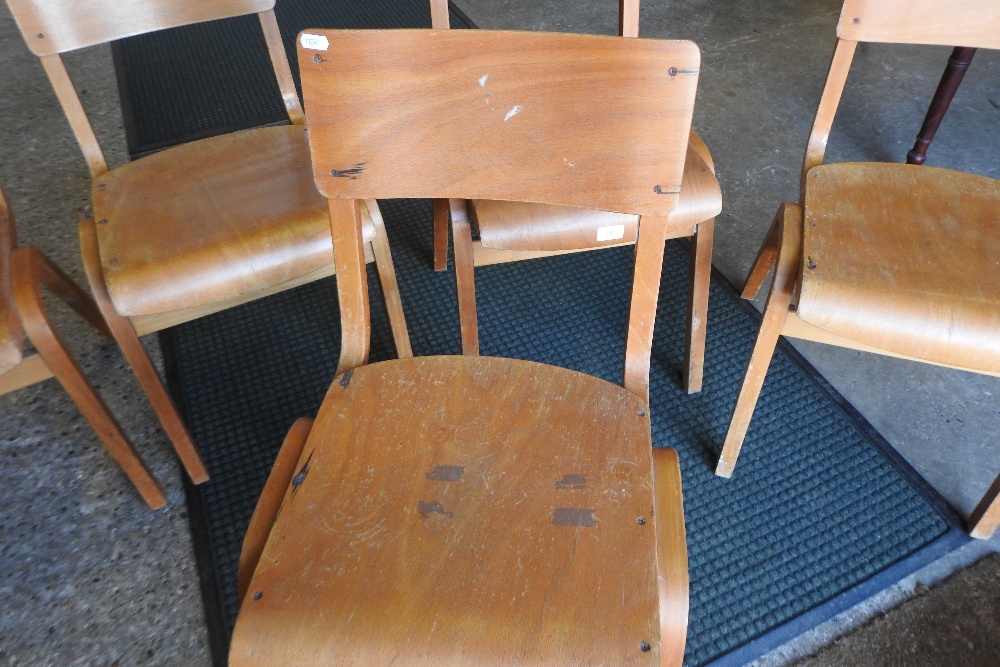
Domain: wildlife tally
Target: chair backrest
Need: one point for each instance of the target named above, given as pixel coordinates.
(628, 16)
(974, 23)
(52, 27)
(11, 338)
(577, 120)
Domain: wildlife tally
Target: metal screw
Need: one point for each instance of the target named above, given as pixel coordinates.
(642, 521)
(672, 71)
(114, 260)
(644, 646)
(41, 36)
(259, 594)
(641, 413)
(857, 21)
(102, 222)
(317, 58)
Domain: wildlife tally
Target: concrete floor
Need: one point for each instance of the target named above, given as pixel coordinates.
(88, 576)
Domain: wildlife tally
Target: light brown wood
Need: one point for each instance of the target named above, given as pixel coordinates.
(387, 278)
(628, 18)
(904, 258)
(440, 234)
(697, 316)
(646, 274)
(789, 222)
(352, 284)
(763, 263)
(77, 117)
(671, 555)
(518, 534)
(529, 115)
(840, 66)
(29, 370)
(123, 333)
(440, 18)
(957, 22)
(282, 71)
(484, 256)
(57, 26)
(32, 271)
(985, 519)
(269, 505)
(512, 225)
(465, 282)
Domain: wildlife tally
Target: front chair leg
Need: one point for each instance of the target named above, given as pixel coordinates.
(986, 517)
(697, 321)
(31, 270)
(124, 334)
(775, 315)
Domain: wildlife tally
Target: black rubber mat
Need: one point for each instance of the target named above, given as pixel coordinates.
(819, 514)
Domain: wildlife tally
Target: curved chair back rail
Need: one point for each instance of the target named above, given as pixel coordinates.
(575, 120)
(52, 27)
(11, 335)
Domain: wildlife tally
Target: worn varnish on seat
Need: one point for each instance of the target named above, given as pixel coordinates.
(892, 259)
(477, 536)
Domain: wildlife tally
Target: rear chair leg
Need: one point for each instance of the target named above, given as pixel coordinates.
(440, 234)
(124, 334)
(986, 517)
(775, 314)
(387, 278)
(697, 321)
(465, 282)
(31, 270)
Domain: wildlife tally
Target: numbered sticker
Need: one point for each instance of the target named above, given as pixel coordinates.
(611, 232)
(315, 42)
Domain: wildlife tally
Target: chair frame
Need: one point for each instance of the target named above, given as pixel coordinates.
(48, 34)
(892, 21)
(471, 253)
(30, 272)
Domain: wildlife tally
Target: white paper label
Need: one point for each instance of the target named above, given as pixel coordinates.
(611, 232)
(315, 42)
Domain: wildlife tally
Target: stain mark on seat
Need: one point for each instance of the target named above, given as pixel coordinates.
(572, 516)
(433, 507)
(445, 473)
(346, 378)
(301, 476)
(572, 483)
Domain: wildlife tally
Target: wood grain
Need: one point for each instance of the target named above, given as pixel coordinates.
(57, 26)
(11, 334)
(671, 554)
(508, 535)
(903, 258)
(840, 66)
(77, 117)
(957, 22)
(619, 110)
(282, 70)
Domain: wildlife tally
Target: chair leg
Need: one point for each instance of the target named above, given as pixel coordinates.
(390, 286)
(671, 555)
(31, 270)
(266, 511)
(775, 314)
(124, 334)
(766, 257)
(986, 517)
(697, 320)
(465, 282)
(642, 304)
(440, 234)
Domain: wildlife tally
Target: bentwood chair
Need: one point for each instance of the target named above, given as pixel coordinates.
(893, 259)
(510, 231)
(465, 509)
(24, 272)
(200, 227)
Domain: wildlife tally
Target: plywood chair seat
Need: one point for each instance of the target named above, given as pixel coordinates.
(914, 270)
(453, 535)
(241, 226)
(526, 226)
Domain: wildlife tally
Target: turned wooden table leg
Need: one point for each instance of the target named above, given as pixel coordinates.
(958, 63)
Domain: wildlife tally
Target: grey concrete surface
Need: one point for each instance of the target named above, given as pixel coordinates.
(89, 576)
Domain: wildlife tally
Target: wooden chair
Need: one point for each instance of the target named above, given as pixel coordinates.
(23, 273)
(204, 226)
(466, 509)
(892, 259)
(511, 231)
